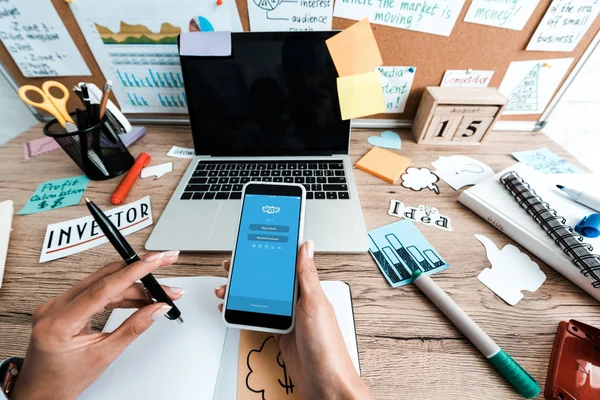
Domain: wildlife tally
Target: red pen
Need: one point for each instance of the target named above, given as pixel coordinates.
(125, 186)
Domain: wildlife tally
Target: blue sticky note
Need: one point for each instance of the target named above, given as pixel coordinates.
(399, 249)
(56, 194)
(546, 162)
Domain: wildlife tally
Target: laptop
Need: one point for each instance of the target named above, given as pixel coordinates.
(267, 113)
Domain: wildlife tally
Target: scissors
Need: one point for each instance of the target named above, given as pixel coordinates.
(57, 107)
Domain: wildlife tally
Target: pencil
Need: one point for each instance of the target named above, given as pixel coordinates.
(105, 94)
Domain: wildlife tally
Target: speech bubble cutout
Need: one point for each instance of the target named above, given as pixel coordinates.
(157, 170)
(458, 171)
(420, 178)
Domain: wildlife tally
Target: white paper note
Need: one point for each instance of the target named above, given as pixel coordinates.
(511, 272)
(76, 235)
(290, 15)
(436, 17)
(423, 214)
(564, 24)
(529, 85)
(512, 14)
(466, 78)
(396, 83)
(181, 152)
(38, 41)
(157, 170)
(458, 171)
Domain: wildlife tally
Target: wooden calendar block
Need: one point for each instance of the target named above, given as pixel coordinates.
(457, 115)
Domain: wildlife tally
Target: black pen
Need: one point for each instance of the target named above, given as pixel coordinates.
(129, 255)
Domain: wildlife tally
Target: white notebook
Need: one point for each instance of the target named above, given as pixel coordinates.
(491, 201)
(199, 358)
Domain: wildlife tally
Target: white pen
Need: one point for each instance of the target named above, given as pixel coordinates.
(591, 200)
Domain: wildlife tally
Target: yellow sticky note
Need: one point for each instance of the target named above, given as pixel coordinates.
(355, 50)
(360, 95)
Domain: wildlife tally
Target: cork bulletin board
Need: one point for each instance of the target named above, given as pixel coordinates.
(470, 45)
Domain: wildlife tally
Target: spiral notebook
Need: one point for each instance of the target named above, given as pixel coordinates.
(540, 201)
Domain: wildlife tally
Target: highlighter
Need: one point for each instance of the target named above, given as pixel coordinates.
(125, 186)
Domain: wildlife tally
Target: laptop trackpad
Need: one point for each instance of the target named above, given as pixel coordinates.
(224, 224)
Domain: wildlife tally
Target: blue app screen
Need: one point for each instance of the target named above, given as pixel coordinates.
(264, 270)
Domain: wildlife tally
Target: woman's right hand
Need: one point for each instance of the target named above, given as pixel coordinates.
(315, 353)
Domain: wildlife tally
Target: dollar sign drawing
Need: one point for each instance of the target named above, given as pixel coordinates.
(287, 381)
(57, 202)
(42, 204)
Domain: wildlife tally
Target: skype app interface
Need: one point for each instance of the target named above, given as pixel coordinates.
(264, 267)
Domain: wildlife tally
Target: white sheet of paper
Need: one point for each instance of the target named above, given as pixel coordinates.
(290, 15)
(76, 235)
(436, 17)
(422, 214)
(511, 272)
(181, 152)
(36, 38)
(396, 83)
(564, 24)
(466, 78)
(157, 170)
(529, 85)
(194, 350)
(458, 171)
(512, 14)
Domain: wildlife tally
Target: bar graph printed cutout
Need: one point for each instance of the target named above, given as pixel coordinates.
(400, 248)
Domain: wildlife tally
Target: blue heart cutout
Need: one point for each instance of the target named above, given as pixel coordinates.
(387, 139)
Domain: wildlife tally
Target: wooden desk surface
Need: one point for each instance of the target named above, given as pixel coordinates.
(405, 344)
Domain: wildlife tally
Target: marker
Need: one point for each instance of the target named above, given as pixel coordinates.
(509, 368)
(587, 199)
(125, 186)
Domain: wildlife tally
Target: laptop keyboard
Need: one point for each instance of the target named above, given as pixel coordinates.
(222, 180)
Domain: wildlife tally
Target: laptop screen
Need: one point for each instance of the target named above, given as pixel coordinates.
(275, 95)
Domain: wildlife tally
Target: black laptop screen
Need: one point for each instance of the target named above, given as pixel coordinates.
(275, 95)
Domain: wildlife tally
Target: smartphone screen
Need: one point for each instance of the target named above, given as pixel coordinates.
(263, 275)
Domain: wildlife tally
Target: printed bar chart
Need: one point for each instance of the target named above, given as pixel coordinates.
(151, 78)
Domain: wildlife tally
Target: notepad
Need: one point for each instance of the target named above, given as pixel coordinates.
(360, 95)
(197, 359)
(384, 164)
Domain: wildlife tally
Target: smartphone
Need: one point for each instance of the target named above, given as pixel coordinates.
(263, 284)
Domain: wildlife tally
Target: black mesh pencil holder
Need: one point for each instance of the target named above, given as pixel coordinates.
(98, 150)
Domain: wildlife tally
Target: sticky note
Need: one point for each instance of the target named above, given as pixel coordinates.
(383, 164)
(355, 50)
(360, 95)
(205, 44)
(56, 194)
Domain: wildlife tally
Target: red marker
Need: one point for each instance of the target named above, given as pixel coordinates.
(127, 182)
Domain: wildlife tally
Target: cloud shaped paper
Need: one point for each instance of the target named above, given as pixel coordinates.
(420, 178)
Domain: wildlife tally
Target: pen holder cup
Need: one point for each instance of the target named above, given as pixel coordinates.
(98, 150)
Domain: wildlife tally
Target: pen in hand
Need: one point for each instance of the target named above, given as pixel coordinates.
(129, 256)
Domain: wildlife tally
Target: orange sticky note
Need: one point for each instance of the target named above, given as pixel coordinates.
(360, 95)
(383, 164)
(355, 50)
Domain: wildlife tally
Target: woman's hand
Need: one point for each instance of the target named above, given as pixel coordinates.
(314, 352)
(64, 356)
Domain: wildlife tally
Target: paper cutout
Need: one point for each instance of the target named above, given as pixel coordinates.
(56, 194)
(512, 14)
(529, 85)
(466, 78)
(399, 248)
(458, 171)
(396, 83)
(76, 235)
(417, 179)
(289, 15)
(423, 214)
(387, 140)
(511, 272)
(383, 164)
(360, 95)
(546, 161)
(354, 50)
(437, 17)
(564, 25)
(40, 146)
(262, 370)
(37, 40)
(205, 44)
(181, 152)
(159, 170)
